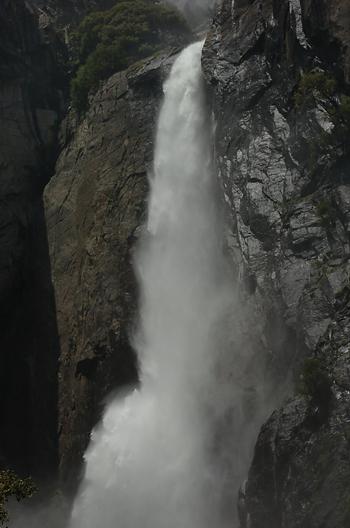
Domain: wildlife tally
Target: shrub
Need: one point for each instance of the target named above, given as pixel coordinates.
(326, 213)
(315, 382)
(323, 208)
(13, 486)
(107, 42)
(344, 108)
(314, 83)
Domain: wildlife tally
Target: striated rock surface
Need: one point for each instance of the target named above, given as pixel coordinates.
(278, 73)
(95, 204)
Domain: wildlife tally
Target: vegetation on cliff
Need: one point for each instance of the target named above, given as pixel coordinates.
(321, 94)
(13, 486)
(319, 85)
(314, 83)
(109, 41)
(316, 383)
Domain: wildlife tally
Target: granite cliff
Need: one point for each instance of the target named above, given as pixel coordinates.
(279, 72)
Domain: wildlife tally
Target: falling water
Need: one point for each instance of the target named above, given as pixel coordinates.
(151, 463)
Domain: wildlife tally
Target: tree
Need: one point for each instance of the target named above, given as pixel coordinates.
(13, 486)
(109, 41)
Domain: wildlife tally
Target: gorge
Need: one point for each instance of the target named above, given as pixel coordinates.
(267, 268)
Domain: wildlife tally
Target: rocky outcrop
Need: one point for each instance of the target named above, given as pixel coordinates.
(30, 105)
(95, 204)
(277, 72)
(300, 473)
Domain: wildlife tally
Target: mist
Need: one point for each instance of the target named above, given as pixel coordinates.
(194, 4)
(196, 11)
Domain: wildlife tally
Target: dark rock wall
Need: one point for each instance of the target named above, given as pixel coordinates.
(327, 24)
(283, 161)
(30, 106)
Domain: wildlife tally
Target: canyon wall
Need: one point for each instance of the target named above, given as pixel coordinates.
(278, 72)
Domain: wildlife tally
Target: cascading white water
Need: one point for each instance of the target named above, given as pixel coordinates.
(151, 462)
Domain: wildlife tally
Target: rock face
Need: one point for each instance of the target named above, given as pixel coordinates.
(30, 105)
(300, 473)
(95, 204)
(278, 73)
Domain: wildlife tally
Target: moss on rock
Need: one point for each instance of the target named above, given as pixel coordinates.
(315, 382)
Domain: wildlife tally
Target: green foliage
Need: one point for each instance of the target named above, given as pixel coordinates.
(314, 83)
(323, 208)
(346, 522)
(109, 41)
(326, 213)
(13, 486)
(320, 89)
(344, 108)
(315, 382)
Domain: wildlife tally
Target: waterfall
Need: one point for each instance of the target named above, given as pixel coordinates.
(152, 462)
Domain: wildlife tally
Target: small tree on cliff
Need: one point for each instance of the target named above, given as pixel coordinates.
(13, 486)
